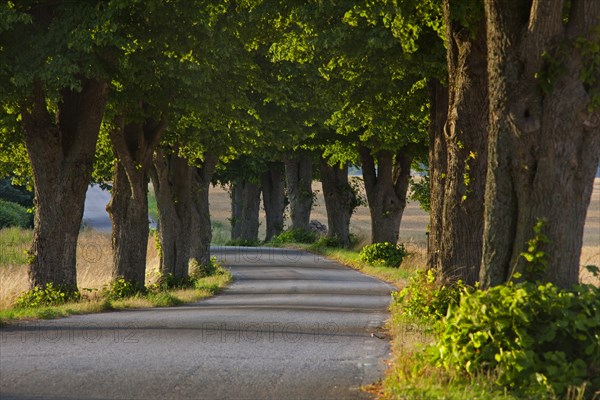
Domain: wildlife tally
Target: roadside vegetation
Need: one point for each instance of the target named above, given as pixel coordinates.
(523, 339)
(98, 291)
(497, 105)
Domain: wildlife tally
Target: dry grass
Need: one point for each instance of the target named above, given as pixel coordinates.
(94, 266)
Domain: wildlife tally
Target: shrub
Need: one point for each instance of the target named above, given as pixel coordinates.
(535, 337)
(49, 295)
(120, 289)
(425, 299)
(168, 281)
(15, 194)
(420, 192)
(295, 236)
(329, 241)
(243, 242)
(203, 270)
(385, 254)
(13, 214)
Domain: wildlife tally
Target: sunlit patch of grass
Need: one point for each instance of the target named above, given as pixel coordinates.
(14, 242)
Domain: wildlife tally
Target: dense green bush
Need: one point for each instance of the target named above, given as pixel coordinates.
(537, 338)
(243, 243)
(208, 269)
(120, 289)
(420, 192)
(168, 281)
(46, 296)
(13, 214)
(15, 194)
(386, 254)
(295, 236)
(329, 241)
(426, 300)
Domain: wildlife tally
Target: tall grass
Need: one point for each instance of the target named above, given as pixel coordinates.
(221, 234)
(14, 242)
(94, 262)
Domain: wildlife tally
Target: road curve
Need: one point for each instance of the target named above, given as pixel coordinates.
(291, 326)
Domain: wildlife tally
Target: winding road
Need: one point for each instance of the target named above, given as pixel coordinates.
(291, 326)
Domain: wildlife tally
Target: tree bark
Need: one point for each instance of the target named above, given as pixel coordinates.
(544, 135)
(201, 234)
(61, 154)
(340, 200)
(298, 173)
(134, 144)
(245, 205)
(273, 192)
(172, 180)
(386, 187)
(438, 94)
(465, 136)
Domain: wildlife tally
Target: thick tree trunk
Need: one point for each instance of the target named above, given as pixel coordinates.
(201, 234)
(438, 94)
(245, 206)
(273, 192)
(340, 200)
(465, 137)
(544, 135)
(128, 208)
(172, 180)
(386, 187)
(61, 154)
(298, 174)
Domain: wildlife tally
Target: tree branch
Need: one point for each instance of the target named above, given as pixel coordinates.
(117, 137)
(153, 136)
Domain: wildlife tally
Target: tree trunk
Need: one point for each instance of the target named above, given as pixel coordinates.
(128, 210)
(437, 169)
(340, 200)
(128, 207)
(61, 154)
(172, 180)
(245, 205)
(386, 187)
(201, 234)
(465, 136)
(298, 173)
(544, 135)
(273, 191)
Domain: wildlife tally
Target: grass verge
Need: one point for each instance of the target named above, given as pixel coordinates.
(204, 288)
(350, 258)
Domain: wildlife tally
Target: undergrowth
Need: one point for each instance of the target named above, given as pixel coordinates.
(523, 339)
(53, 302)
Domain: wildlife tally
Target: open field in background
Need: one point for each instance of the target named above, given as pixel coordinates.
(95, 255)
(413, 227)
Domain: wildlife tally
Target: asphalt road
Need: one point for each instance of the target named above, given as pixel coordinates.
(291, 326)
